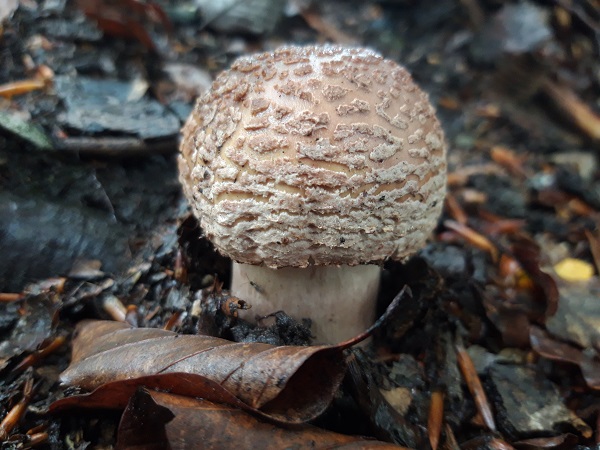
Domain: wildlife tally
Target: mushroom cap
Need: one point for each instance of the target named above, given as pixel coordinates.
(314, 155)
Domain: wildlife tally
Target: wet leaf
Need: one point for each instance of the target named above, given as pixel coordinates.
(116, 394)
(528, 255)
(487, 442)
(564, 441)
(291, 384)
(548, 347)
(510, 317)
(30, 324)
(594, 247)
(163, 420)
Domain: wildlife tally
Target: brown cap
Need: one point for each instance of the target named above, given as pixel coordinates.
(314, 155)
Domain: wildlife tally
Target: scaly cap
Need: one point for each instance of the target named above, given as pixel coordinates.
(314, 155)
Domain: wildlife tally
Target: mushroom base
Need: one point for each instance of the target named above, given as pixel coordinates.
(340, 301)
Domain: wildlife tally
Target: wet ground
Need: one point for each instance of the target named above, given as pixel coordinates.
(504, 298)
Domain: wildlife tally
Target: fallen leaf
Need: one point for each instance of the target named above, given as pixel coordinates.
(528, 255)
(594, 247)
(551, 348)
(486, 441)
(572, 269)
(116, 394)
(128, 19)
(511, 318)
(561, 442)
(29, 325)
(288, 383)
(163, 420)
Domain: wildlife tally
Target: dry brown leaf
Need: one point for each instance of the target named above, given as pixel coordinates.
(290, 384)
(116, 395)
(160, 420)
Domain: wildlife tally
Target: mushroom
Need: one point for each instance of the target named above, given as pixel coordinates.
(309, 167)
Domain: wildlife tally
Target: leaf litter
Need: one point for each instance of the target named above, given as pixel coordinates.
(518, 120)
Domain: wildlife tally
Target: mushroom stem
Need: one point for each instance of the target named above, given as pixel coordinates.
(340, 301)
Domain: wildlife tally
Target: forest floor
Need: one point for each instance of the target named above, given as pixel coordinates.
(497, 345)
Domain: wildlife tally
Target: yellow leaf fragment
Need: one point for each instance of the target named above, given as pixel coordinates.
(572, 269)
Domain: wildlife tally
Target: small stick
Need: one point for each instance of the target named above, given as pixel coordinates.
(115, 308)
(173, 321)
(473, 237)
(13, 417)
(115, 146)
(435, 418)
(465, 364)
(13, 88)
(10, 297)
(38, 355)
(455, 210)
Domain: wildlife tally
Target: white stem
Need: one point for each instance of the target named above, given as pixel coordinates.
(340, 301)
